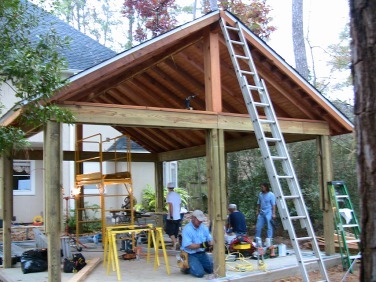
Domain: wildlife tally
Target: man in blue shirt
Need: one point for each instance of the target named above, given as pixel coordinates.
(236, 221)
(196, 238)
(266, 208)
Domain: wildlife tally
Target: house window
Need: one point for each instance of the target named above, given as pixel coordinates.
(23, 178)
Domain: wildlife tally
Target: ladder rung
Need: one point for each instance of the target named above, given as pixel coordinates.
(353, 241)
(242, 57)
(342, 196)
(278, 158)
(272, 139)
(236, 42)
(303, 238)
(341, 210)
(257, 104)
(254, 87)
(291, 197)
(350, 225)
(231, 28)
(247, 72)
(355, 257)
(285, 176)
(267, 121)
(310, 260)
(296, 217)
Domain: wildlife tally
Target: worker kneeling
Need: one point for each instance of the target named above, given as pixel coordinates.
(196, 240)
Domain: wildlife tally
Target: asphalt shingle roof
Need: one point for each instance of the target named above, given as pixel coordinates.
(84, 52)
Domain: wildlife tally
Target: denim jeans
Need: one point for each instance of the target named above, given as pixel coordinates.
(262, 219)
(199, 263)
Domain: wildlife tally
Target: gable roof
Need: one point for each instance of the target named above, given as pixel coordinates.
(83, 51)
(141, 92)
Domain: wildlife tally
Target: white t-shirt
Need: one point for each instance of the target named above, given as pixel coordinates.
(175, 200)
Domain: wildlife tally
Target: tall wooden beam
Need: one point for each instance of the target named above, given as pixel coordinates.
(325, 169)
(53, 194)
(158, 166)
(216, 171)
(6, 190)
(213, 94)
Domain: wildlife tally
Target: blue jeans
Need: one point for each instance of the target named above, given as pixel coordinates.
(262, 219)
(199, 263)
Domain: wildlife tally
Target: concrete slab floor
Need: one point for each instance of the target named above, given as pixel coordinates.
(140, 270)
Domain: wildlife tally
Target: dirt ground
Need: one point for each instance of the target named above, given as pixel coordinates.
(335, 274)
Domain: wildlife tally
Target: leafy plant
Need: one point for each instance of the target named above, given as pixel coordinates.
(148, 202)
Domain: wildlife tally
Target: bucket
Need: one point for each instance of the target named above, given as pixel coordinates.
(282, 250)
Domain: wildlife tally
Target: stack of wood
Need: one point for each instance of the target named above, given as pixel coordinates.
(353, 247)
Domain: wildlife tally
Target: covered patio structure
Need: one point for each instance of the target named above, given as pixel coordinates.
(143, 92)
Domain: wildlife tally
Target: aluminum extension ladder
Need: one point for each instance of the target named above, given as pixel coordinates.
(273, 149)
(345, 221)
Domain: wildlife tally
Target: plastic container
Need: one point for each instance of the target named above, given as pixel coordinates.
(282, 250)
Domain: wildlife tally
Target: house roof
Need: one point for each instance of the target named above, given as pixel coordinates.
(83, 51)
(142, 92)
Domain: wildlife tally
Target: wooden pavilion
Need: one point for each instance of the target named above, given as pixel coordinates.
(143, 93)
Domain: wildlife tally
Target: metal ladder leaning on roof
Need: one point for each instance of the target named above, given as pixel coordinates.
(273, 149)
(345, 221)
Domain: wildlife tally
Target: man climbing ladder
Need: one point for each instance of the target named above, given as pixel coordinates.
(272, 145)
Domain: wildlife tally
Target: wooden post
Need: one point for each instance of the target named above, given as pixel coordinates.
(158, 166)
(216, 171)
(213, 94)
(6, 187)
(325, 172)
(53, 195)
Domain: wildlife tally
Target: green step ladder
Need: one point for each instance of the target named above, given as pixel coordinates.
(345, 221)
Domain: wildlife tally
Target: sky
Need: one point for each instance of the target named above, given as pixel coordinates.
(323, 22)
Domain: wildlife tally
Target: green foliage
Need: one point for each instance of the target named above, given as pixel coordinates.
(31, 65)
(148, 202)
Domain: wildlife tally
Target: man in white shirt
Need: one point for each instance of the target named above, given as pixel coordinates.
(173, 200)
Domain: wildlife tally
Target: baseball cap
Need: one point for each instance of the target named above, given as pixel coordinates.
(199, 215)
(232, 206)
(171, 185)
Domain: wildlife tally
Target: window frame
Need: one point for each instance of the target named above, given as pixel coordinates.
(30, 192)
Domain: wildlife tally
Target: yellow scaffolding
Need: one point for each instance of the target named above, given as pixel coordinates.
(90, 170)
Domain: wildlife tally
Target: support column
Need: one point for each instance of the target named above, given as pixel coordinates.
(158, 166)
(6, 188)
(213, 94)
(53, 196)
(216, 175)
(325, 172)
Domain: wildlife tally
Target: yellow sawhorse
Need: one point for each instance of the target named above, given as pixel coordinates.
(111, 249)
(107, 249)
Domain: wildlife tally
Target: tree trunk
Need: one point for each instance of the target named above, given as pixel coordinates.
(363, 32)
(300, 55)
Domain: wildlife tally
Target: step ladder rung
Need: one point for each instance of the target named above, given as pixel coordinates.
(291, 197)
(350, 225)
(232, 28)
(296, 217)
(241, 57)
(342, 196)
(353, 241)
(237, 42)
(355, 257)
(342, 210)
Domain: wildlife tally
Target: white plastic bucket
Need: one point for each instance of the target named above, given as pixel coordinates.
(282, 250)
